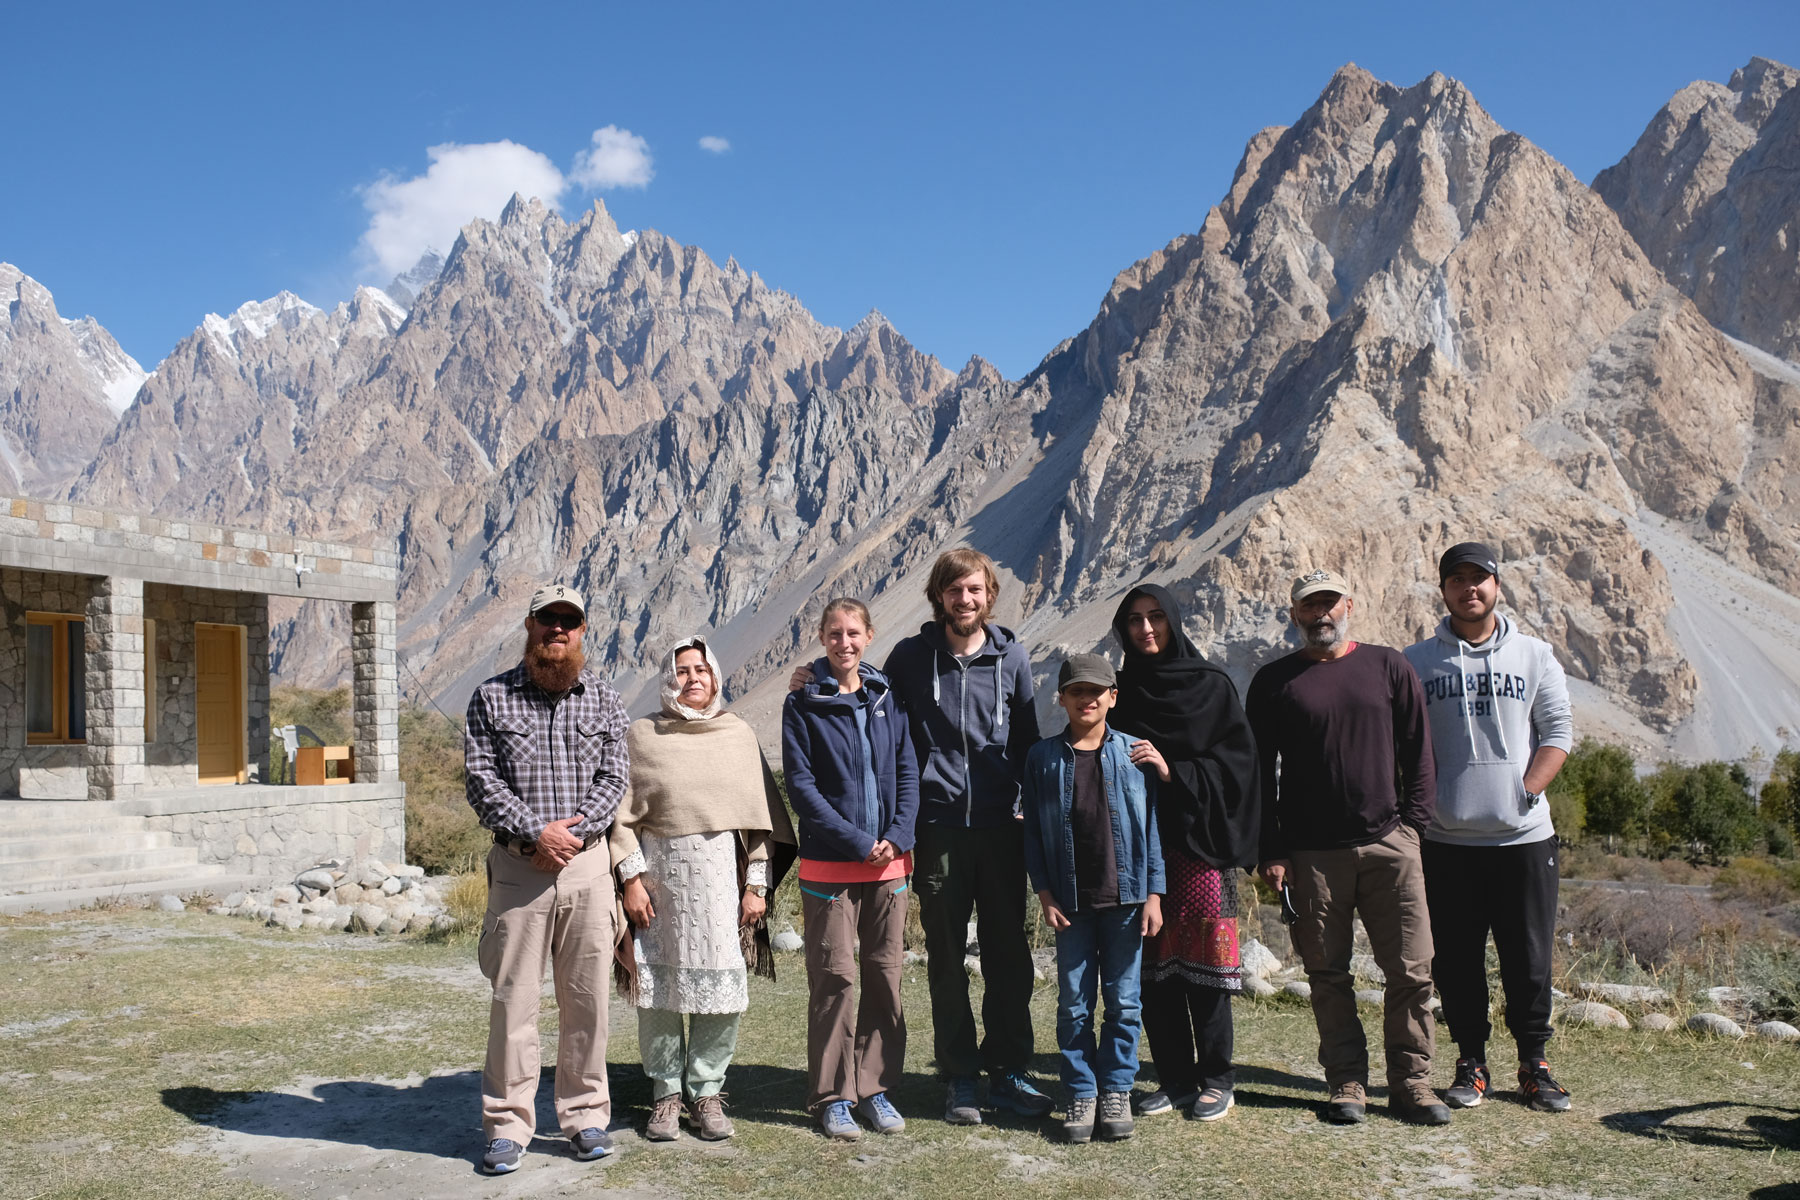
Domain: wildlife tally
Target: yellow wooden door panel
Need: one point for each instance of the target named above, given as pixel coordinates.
(218, 702)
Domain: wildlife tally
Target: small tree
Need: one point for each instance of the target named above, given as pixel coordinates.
(1612, 800)
(1704, 808)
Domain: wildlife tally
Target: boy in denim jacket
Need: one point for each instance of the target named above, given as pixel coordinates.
(1095, 858)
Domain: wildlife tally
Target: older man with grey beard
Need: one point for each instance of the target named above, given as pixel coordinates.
(1341, 827)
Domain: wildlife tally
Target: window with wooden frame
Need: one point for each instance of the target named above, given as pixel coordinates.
(55, 679)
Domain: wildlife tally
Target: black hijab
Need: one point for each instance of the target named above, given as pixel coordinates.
(1188, 709)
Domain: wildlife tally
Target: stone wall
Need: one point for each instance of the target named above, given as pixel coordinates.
(277, 831)
(35, 772)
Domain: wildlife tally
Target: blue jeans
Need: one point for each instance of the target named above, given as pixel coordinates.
(1100, 950)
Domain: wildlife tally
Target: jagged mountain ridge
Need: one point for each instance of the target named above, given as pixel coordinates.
(1357, 358)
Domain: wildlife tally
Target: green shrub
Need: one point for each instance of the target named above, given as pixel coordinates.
(1704, 809)
(1603, 781)
(1757, 880)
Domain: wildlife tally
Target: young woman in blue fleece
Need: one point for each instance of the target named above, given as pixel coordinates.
(854, 784)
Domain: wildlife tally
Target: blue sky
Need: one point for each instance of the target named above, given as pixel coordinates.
(977, 172)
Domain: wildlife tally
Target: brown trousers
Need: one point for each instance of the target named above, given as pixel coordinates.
(1385, 883)
(854, 1047)
(563, 919)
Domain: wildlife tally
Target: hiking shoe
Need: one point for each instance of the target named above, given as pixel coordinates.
(502, 1156)
(1211, 1104)
(1115, 1122)
(1417, 1104)
(1349, 1104)
(590, 1143)
(960, 1107)
(881, 1114)
(1539, 1090)
(665, 1119)
(1470, 1087)
(836, 1123)
(1078, 1125)
(1015, 1092)
(707, 1115)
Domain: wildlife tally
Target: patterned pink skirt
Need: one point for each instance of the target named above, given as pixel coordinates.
(1199, 938)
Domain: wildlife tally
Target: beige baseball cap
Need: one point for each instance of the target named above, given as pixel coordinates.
(1318, 580)
(556, 593)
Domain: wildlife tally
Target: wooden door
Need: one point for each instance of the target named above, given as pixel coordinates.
(219, 702)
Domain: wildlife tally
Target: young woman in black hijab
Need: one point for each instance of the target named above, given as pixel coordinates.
(1187, 714)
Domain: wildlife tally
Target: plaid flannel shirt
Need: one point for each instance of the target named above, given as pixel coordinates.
(532, 758)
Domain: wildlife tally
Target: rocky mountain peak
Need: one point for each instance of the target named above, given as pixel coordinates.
(62, 385)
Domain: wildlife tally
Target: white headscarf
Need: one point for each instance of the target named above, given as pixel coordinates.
(671, 687)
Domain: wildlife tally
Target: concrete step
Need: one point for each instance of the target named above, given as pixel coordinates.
(14, 848)
(89, 892)
(99, 870)
(33, 818)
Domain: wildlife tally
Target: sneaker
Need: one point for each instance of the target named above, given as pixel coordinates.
(836, 1123)
(1349, 1104)
(1015, 1092)
(1539, 1090)
(1115, 1122)
(502, 1156)
(1153, 1104)
(1417, 1104)
(881, 1114)
(960, 1107)
(1470, 1087)
(665, 1119)
(591, 1143)
(1212, 1104)
(707, 1115)
(1078, 1125)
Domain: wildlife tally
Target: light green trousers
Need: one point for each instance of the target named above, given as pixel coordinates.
(691, 1061)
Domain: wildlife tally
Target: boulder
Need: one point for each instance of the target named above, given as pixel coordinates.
(367, 918)
(1257, 960)
(1728, 999)
(402, 912)
(421, 923)
(1622, 993)
(1716, 1025)
(972, 965)
(444, 923)
(371, 877)
(1364, 966)
(318, 879)
(235, 900)
(1256, 985)
(169, 902)
(285, 894)
(1298, 987)
(391, 925)
(349, 893)
(391, 885)
(1595, 1014)
(339, 917)
(1371, 997)
(1777, 1031)
(788, 942)
(913, 958)
(1658, 1022)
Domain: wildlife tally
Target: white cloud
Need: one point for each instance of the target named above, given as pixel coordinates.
(618, 158)
(714, 145)
(409, 216)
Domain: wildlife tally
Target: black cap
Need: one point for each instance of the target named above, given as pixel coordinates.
(1474, 553)
(1086, 668)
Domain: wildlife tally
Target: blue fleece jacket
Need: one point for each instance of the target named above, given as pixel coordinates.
(1050, 840)
(971, 725)
(824, 754)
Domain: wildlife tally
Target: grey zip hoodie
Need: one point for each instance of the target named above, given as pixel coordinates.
(1490, 707)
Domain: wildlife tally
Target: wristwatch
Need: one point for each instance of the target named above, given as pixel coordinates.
(1533, 799)
(756, 889)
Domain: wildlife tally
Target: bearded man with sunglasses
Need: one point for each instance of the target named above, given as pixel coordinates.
(544, 752)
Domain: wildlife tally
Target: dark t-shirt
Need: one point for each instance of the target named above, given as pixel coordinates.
(1354, 746)
(1090, 824)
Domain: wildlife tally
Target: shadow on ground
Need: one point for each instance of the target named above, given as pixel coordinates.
(1764, 1128)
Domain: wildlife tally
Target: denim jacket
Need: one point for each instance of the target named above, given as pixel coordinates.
(1049, 839)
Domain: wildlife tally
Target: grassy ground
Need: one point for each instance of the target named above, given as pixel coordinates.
(152, 1055)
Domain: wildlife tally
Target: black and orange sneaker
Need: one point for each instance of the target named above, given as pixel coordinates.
(1539, 1090)
(1470, 1087)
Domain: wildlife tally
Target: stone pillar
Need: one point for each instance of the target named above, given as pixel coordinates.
(115, 689)
(253, 613)
(375, 691)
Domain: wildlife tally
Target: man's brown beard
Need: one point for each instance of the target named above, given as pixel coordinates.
(554, 674)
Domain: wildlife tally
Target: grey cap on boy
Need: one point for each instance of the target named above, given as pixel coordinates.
(1086, 668)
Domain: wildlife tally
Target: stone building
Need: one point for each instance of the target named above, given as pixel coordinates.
(134, 706)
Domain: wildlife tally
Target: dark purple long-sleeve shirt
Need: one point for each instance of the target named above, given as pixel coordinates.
(1354, 746)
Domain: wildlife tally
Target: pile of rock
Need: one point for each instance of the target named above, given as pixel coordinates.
(1598, 1010)
(358, 897)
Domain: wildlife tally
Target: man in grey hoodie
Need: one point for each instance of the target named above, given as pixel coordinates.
(1498, 705)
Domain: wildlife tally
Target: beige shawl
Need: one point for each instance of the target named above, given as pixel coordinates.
(699, 777)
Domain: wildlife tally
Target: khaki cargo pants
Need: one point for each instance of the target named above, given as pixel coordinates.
(1384, 882)
(563, 920)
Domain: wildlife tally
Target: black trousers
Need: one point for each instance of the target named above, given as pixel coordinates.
(1510, 892)
(1189, 1027)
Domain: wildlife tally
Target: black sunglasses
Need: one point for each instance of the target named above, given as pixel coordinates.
(559, 620)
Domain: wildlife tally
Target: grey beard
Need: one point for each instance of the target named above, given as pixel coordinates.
(1327, 637)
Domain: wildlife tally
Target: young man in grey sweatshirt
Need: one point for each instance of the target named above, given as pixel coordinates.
(1498, 706)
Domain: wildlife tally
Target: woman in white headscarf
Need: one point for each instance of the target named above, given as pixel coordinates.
(700, 840)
